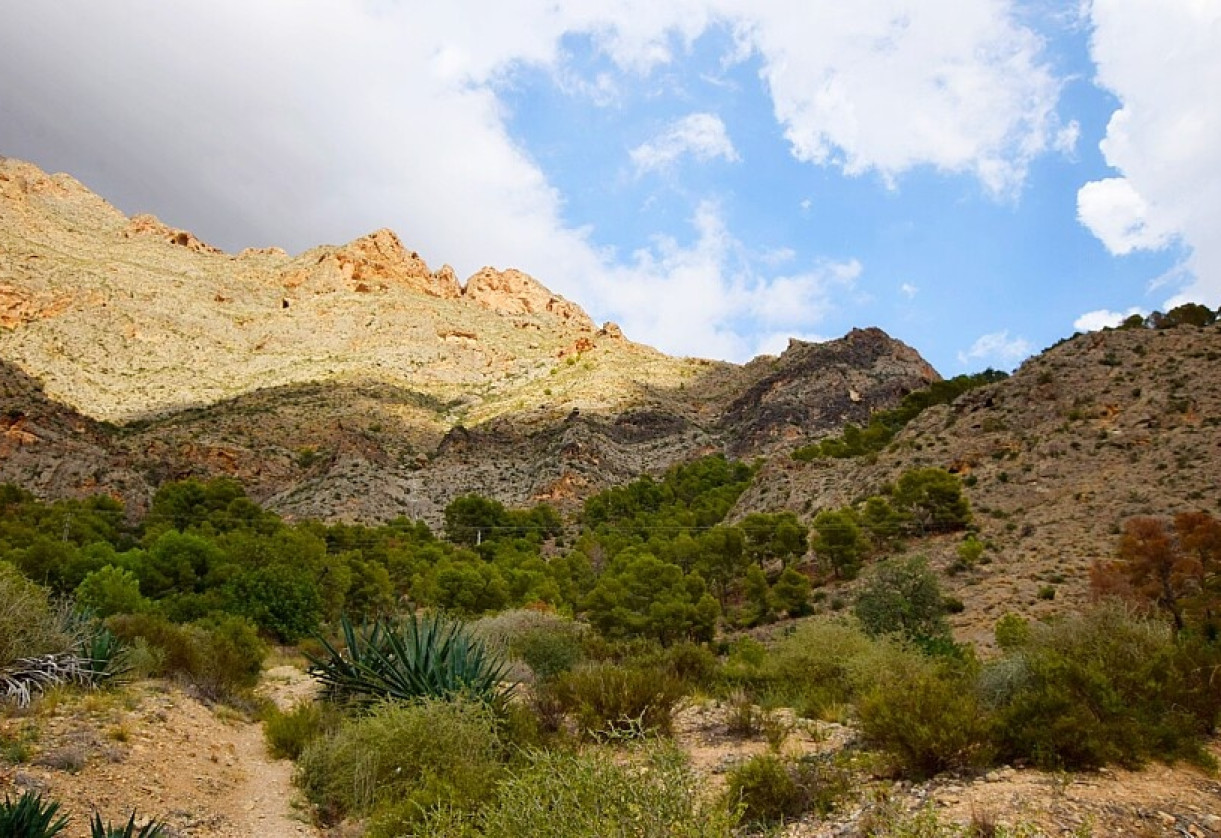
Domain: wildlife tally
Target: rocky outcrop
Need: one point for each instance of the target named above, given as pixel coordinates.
(150, 225)
(816, 388)
(21, 305)
(513, 292)
(375, 262)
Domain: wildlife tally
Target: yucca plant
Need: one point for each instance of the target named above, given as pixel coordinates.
(417, 657)
(152, 829)
(29, 816)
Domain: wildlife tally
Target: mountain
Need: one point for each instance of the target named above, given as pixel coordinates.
(355, 382)
(1100, 428)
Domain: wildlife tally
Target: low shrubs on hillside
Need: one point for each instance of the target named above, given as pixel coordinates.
(770, 789)
(400, 759)
(608, 700)
(220, 657)
(593, 794)
(1108, 687)
(288, 732)
(930, 720)
(545, 643)
(29, 624)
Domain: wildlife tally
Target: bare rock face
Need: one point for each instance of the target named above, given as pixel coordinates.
(374, 262)
(815, 388)
(150, 225)
(513, 292)
(20, 305)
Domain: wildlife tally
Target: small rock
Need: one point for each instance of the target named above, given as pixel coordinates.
(1167, 818)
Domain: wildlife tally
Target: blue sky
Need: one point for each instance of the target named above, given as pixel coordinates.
(977, 178)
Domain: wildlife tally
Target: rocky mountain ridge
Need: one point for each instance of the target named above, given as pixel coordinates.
(1093, 431)
(354, 381)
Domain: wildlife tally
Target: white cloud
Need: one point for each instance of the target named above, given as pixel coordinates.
(889, 85)
(1117, 214)
(290, 124)
(712, 294)
(1093, 321)
(1159, 58)
(997, 348)
(699, 135)
(908, 290)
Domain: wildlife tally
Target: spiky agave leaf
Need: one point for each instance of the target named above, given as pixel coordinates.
(29, 816)
(152, 829)
(104, 655)
(417, 657)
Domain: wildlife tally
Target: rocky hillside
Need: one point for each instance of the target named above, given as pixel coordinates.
(355, 381)
(1098, 429)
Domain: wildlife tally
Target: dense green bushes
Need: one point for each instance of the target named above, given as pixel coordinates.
(1107, 687)
(772, 789)
(220, 656)
(930, 720)
(1104, 687)
(606, 700)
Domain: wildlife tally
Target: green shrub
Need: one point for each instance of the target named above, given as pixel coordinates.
(791, 592)
(765, 790)
(970, 550)
(29, 816)
(1109, 687)
(221, 657)
(279, 599)
(111, 590)
(420, 657)
(770, 789)
(812, 669)
(402, 758)
(288, 733)
(1012, 631)
(902, 597)
(549, 651)
(608, 700)
(929, 721)
(29, 626)
(594, 794)
(691, 663)
(504, 633)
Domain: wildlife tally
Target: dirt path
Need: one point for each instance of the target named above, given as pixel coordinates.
(152, 748)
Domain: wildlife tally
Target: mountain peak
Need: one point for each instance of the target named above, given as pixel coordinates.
(514, 292)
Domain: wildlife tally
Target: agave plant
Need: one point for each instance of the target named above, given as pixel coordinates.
(417, 657)
(29, 816)
(104, 656)
(152, 829)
